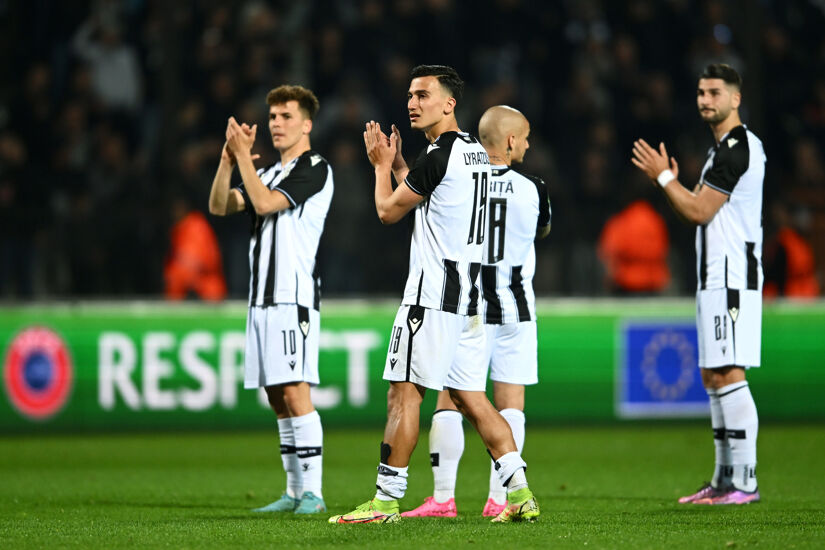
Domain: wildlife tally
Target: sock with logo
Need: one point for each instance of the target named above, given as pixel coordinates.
(446, 448)
(723, 471)
(515, 418)
(294, 480)
(391, 482)
(741, 428)
(309, 443)
(510, 468)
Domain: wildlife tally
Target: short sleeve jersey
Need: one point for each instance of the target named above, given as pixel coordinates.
(283, 246)
(729, 246)
(519, 206)
(452, 174)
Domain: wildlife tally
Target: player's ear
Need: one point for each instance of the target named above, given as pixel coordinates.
(449, 105)
(736, 99)
(307, 126)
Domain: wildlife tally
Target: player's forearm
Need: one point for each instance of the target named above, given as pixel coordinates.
(400, 174)
(686, 203)
(257, 192)
(219, 194)
(383, 196)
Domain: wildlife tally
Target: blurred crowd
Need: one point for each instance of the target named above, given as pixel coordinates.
(112, 117)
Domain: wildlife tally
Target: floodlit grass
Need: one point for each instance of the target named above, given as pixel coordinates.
(599, 487)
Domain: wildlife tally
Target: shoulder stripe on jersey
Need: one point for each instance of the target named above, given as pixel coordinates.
(472, 308)
(517, 288)
(488, 288)
(753, 276)
(256, 256)
(269, 289)
(703, 257)
(709, 184)
(452, 287)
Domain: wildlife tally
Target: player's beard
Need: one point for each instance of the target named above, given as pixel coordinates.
(718, 116)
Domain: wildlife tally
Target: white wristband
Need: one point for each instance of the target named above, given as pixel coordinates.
(665, 177)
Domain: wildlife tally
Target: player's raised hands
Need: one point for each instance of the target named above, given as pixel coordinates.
(651, 161)
(398, 163)
(240, 138)
(381, 149)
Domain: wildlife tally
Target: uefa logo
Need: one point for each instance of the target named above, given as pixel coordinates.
(37, 373)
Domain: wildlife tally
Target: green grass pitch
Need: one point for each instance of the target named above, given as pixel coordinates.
(598, 487)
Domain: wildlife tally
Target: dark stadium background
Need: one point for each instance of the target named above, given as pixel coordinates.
(92, 155)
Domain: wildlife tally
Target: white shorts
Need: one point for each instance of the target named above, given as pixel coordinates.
(281, 345)
(509, 350)
(423, 344)
(729, 327)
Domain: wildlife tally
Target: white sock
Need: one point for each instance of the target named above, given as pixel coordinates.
(391, 482)
(515, 418)
(309, 443)
(446, 448)
(723, 470)
(510, 469)
(289, 459)
(741, 426)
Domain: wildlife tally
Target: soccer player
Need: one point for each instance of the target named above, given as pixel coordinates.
(287, 204)
(519, 213)
(726, 206)
(447, 189)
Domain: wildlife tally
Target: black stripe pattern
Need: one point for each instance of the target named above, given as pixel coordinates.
(753, 274)
(472, 309)
(452, 287)
(517, 288)
(488, 288)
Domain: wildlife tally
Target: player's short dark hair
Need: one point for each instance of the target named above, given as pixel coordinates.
(307, 101)
(447, 77)
(724, 72)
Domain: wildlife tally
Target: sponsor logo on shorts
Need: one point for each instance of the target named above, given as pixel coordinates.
(38, 373)
(392, 363)
(292, 365)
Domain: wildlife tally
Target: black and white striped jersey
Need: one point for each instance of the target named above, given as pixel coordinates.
(519, 205)
(283, 245)
(729, 246)
(449, 225)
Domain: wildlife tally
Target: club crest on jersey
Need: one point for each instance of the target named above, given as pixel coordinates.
(734, 313)
(315, 159)
(304, 327)
(38, 373)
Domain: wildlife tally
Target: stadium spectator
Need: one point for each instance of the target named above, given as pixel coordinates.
(193, 266)
(634, 247)
(790, 269)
